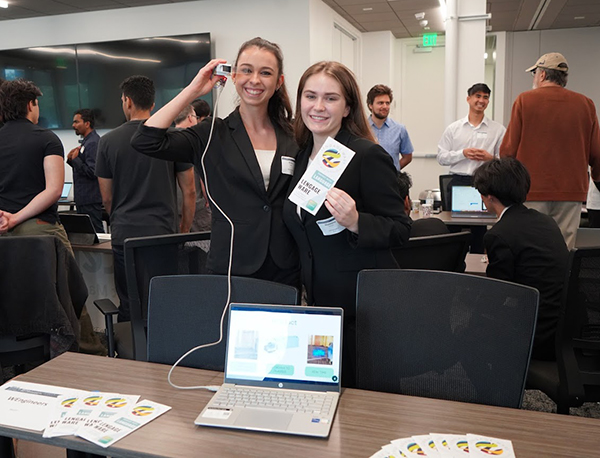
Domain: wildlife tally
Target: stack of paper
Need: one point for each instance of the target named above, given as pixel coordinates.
(447, 446)
(102, 418)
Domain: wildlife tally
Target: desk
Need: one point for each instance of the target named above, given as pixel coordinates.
(474, 264)
(365, 420)
(96, 265)
(447, 218)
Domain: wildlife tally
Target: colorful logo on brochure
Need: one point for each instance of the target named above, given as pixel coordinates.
(116, 403)
(489, 448)
(68, 403)
(92, 400)
(416, 449)
(331, 158)
(142, 411)
(463, 445)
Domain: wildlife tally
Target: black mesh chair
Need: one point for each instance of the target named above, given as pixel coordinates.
(574, 378)
(446, 196)
(185, 311)
(145, 258)
(445, 252)
(444, 335)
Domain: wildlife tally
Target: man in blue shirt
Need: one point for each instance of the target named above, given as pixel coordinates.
(83, 160)
(392, 136)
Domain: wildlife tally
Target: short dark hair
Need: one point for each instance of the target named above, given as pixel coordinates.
(201, 107)
(557, 76)
(14, 97)
(506, 179)
(140, 89)
(87, 115)
(479, 87)
(404, 184)
(377, 90)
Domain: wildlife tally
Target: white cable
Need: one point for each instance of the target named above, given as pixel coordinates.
(219, 87)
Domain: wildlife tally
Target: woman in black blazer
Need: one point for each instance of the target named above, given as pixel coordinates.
(248, 165)
(365, 209)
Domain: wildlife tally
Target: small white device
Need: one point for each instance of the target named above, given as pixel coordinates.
(223, 70)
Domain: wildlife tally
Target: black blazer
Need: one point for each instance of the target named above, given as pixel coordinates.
(527, 247)
(236, 183)
(330, 264)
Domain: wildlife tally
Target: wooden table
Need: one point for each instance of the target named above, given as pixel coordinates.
(364, 422)
(447, 218)
(474, 263)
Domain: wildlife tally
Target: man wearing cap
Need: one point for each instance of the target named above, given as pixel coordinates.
(554, 132)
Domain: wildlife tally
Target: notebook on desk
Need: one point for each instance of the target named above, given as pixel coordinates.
(467, 203)
(79, 228)
(282, 370)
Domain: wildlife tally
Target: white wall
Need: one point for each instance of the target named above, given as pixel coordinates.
(580, 48)
(324, 38)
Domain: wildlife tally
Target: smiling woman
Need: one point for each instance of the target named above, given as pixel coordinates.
(247, 163)
(363, 216)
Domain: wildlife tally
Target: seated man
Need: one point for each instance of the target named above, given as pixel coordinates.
(524, 246)
(423, 226)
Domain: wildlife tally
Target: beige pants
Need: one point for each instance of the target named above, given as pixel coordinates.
(566, 215)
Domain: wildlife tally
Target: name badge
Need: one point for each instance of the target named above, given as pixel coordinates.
(81, 149)
(330, 226)
(481, 135)
(287, 165)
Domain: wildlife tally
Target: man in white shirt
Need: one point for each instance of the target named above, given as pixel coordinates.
(472, 140)
(468, 143)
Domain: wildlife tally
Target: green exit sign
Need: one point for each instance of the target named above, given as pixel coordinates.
(430, 39)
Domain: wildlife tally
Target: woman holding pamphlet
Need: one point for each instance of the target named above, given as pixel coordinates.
(248, 159)
(363, 215)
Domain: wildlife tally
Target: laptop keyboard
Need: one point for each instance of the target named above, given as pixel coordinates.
(289, 401)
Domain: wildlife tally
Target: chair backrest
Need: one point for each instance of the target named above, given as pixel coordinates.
(149, 257)
(578, 334)
(446, 196)
(42, 292)
(445, 252)
(444, 335)
(587, 237)
(185, 311)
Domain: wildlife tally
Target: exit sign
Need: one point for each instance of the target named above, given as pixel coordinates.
(430, 39)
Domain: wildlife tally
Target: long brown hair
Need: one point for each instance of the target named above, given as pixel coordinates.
(355, 122)
(279, 108)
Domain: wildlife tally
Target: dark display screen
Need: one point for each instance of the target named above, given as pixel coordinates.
(88, 75)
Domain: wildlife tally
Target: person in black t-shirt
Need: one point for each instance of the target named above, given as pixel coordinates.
(31, 166)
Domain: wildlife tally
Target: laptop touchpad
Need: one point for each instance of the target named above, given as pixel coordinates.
(263, 419)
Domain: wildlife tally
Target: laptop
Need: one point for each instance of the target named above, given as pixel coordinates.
(66, 192)
(79, 228)
(282, 370)
(467, 203)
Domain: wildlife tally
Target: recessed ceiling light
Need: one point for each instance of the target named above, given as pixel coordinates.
(3, 4)
(367, 9)
(579, 17)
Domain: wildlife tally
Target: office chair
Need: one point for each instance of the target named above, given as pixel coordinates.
(145, 258)
(184, 311)
(445, 252)
(43, 293)
(446, 196)
(444, 335)
(574, 378)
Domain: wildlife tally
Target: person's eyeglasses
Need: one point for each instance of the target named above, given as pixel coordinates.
(533, 72)
(198, 117)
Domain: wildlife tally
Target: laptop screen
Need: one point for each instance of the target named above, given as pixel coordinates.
(66, 190)
(466, 199)
(284, 346)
